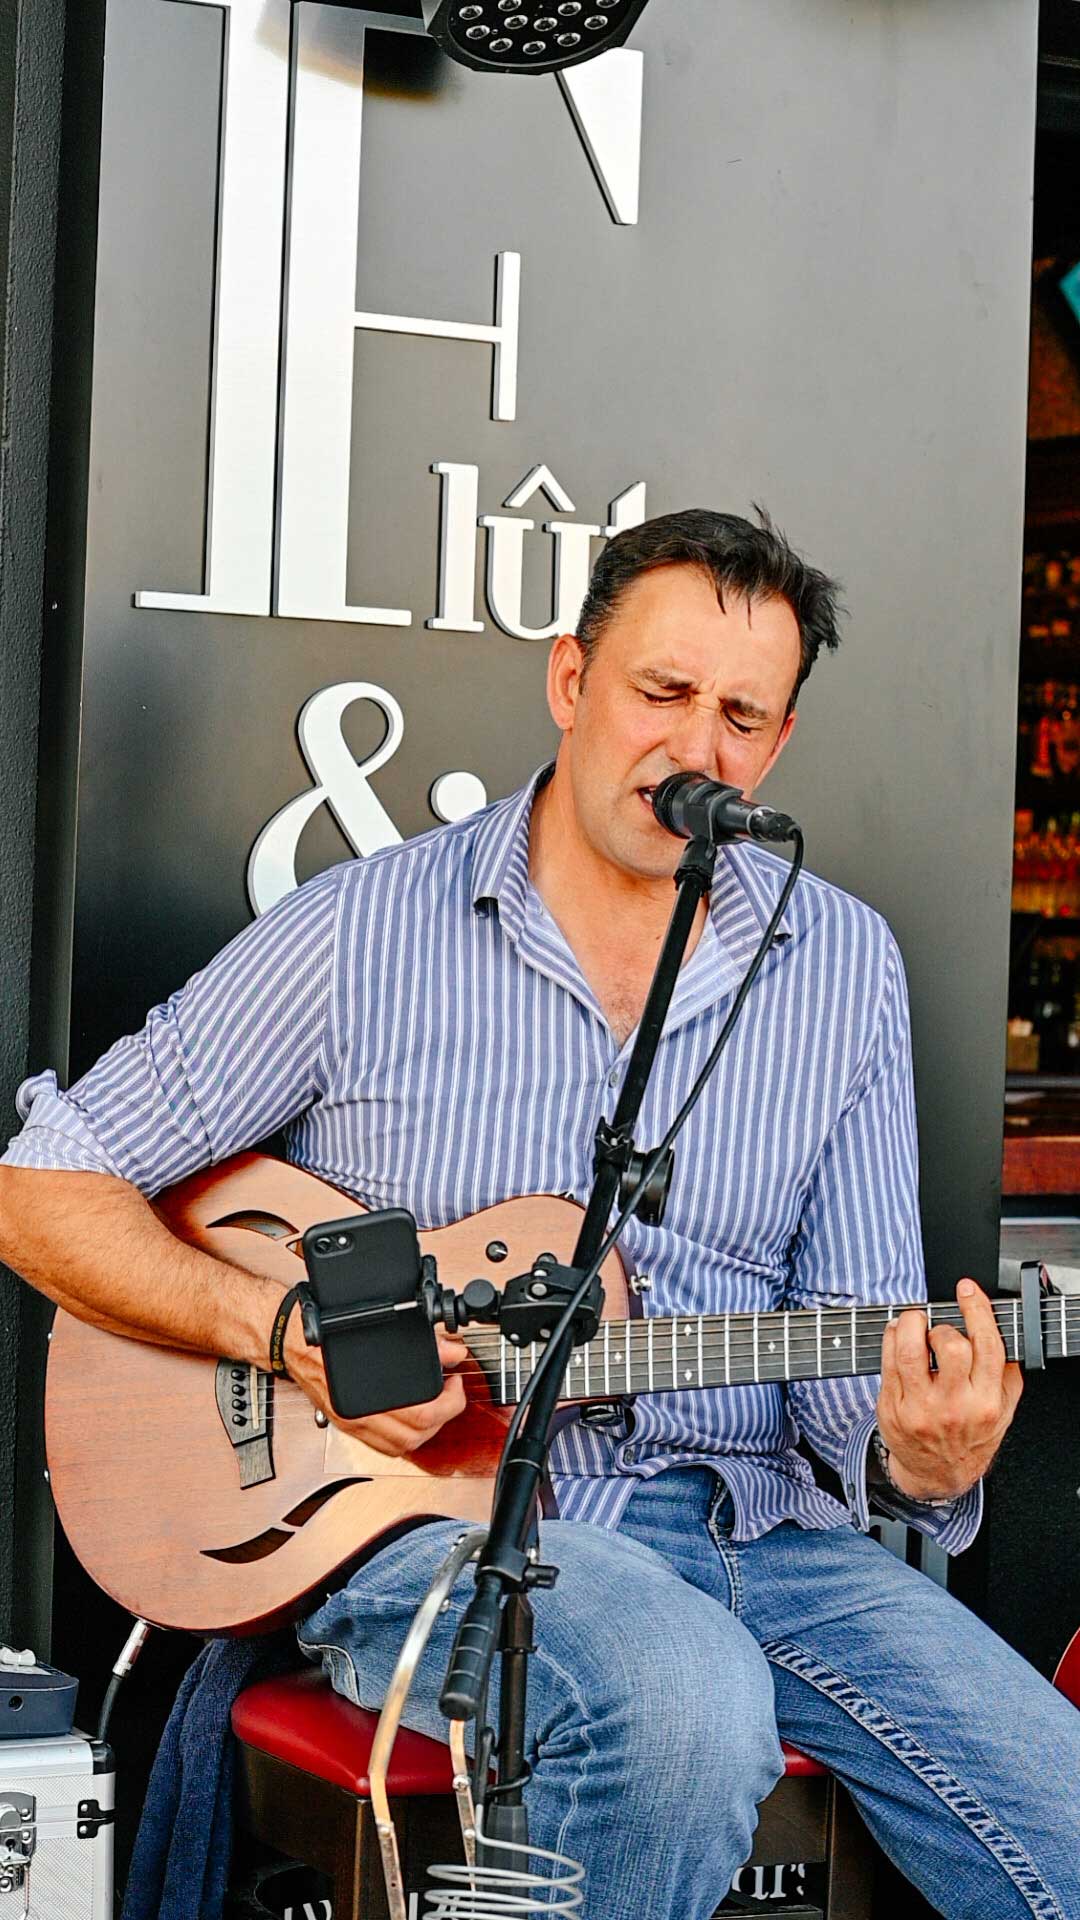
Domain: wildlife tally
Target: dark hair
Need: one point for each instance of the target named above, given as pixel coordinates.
(754, 562)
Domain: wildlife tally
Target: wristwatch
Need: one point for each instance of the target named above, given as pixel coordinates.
(881, 1455)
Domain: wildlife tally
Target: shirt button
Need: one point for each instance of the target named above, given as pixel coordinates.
(613, 1077)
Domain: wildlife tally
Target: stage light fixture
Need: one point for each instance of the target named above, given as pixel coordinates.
(528, 36)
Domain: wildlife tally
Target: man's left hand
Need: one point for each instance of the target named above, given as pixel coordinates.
(943, 1429)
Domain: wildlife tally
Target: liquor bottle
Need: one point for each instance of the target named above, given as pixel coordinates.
(1023, 845)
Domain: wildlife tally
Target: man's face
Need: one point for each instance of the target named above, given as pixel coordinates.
(676, 685)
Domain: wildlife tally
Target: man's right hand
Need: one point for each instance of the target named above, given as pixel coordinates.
(395, 1433)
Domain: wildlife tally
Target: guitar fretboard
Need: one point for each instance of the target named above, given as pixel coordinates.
(735, 1349)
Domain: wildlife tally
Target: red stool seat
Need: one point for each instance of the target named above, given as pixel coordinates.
(301, 1720)
(1067, 1677)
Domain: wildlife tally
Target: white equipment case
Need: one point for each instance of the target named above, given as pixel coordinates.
(56, 1829)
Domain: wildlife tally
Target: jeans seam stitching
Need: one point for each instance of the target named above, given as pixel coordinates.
(729, 1559)
(335, 1651)
(570, 1682)
(1039, 1897)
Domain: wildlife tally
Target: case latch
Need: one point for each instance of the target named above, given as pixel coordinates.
(18, 1838)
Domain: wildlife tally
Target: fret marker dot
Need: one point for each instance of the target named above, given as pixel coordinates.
(772, 1346)
(688, 1375)
(687, 1332)
(836, 1340)
(618, 1356)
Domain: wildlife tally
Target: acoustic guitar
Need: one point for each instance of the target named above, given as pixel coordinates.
(208, 1495)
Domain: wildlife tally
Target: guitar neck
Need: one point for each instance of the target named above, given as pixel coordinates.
(739, 1349)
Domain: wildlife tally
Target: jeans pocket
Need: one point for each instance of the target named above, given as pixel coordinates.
(721, 1517)
(720, 1522)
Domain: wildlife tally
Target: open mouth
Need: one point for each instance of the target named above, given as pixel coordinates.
(646, 794)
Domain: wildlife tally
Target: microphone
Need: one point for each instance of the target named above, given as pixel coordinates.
(698, 809)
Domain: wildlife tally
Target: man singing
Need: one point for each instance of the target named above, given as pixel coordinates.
(440, 1027)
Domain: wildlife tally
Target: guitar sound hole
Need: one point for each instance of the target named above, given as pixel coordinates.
(307, 1509)
(259, 1547)
(270, 1224)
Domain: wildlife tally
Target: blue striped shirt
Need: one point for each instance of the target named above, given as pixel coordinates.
(419, 1027)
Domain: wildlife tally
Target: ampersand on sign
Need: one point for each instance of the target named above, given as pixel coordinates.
(341, 783)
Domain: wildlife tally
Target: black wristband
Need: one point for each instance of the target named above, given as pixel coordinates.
(881, 1454)
(277, 1331)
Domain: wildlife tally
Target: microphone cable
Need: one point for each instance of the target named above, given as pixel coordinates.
(657, 1155)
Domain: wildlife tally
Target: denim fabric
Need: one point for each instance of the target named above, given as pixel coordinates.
(670, 1659)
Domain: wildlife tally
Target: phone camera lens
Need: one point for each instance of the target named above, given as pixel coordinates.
(324, 1243)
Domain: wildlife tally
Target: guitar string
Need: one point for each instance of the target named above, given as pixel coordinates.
(740, 1329)
(867, 1354)
(800, 1317)
(740, 1338)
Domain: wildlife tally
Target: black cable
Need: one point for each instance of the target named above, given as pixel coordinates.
(655, 1158)
(116, 1681)
(129, 1653)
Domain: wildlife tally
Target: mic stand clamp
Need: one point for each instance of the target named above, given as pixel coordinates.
(615, 1148)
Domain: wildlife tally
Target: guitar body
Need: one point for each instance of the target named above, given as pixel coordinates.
(203, 1495)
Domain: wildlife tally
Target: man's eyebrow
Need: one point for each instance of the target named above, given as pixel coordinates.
(748, 708)
(671, 682)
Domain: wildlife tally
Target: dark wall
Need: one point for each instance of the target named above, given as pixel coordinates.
(31, 66)
(822, 306)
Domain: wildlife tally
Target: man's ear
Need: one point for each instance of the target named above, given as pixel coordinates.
(779, 744)
(565, 664)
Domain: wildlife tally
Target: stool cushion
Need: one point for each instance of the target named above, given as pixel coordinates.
(301, 1720)
(1067, 1677)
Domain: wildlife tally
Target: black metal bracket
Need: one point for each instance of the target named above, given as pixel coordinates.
(91, 1817)
(533, 1303)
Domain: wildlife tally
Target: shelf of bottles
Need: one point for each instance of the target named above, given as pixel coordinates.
(1044, 984)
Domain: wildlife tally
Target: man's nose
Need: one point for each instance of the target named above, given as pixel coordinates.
(695, 741)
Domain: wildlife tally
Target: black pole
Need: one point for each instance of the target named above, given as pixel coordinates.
(693, 878)
(506, 1570)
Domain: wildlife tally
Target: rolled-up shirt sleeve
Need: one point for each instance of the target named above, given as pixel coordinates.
(860, 1243)
(226, 1061)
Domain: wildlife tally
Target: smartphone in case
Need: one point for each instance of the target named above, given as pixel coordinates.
(371, 1260)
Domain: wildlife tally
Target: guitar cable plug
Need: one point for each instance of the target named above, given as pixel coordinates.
(130, 1652)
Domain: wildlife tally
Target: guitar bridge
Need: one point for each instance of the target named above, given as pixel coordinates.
(244, 1397)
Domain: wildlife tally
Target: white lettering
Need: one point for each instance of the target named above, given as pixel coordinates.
(626, 510)
(604, 98)
(457, 549)
(246, 322)
(298, 568)
(341, 783)
(321, 322)
(506, 553)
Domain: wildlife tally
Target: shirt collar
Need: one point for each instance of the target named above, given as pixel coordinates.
(745, 889)
(500, 867)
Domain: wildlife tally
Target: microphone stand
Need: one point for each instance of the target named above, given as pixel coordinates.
(500, 1613)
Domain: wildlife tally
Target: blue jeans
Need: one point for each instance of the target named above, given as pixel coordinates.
(671, 1660)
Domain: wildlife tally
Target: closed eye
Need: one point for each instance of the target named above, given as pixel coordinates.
(672, 699)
